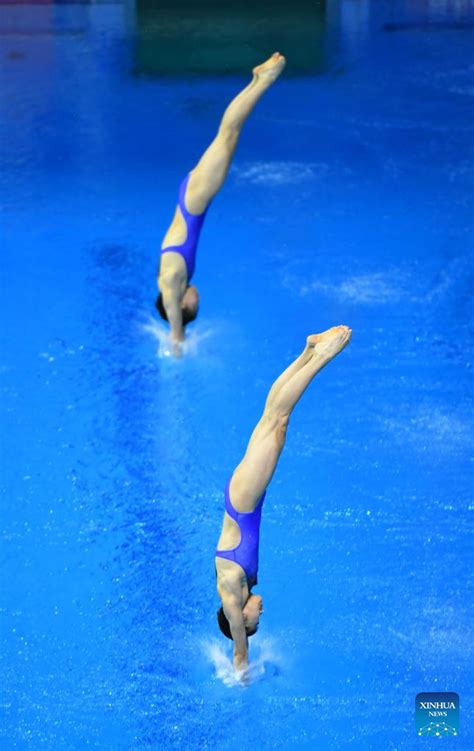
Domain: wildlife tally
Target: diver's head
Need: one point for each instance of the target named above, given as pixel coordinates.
(189, 305)
(251, 612)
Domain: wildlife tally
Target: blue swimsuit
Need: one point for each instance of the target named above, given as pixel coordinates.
(194, 223)
(246, 552)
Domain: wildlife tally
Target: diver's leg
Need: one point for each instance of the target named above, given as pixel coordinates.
(292, 369)
(255, 471)
(210, 172)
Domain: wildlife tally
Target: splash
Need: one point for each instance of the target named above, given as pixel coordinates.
(266, 663)
(191, 346)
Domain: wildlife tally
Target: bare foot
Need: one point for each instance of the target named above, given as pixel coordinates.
(328, 344)
(269, 71)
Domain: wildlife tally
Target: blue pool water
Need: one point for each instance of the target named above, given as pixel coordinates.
(349, 201)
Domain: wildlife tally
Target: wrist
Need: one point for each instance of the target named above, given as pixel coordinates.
(240, 662)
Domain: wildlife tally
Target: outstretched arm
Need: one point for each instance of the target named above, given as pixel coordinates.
(233, 612)
(171, 293)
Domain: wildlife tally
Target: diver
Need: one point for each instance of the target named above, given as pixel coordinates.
(236, 557)
(178, 300)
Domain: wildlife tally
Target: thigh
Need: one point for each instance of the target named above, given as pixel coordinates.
(251, 477)
(210, 173)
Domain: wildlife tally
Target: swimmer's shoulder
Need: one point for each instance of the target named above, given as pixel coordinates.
(172, 274)
(231, 580)
(229, 574)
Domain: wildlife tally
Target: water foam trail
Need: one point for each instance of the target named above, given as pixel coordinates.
(160, 332)
(266, 663)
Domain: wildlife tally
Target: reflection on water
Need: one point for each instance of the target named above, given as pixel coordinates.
(349, 200)
(406, 13)
(228, 37)
(44, 19)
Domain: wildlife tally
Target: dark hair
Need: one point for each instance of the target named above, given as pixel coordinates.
(224, 625)
(187, 316)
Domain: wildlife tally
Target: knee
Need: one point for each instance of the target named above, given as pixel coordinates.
(228, 135)
(278, 424)
(282, 426)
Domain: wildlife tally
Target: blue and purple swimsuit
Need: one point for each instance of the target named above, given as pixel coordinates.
(194, 224)
(246, 552)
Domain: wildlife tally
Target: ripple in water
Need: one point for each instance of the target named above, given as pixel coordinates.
(276, 173)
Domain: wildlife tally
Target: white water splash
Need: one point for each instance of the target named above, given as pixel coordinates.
(160, 332)
(265, 662)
